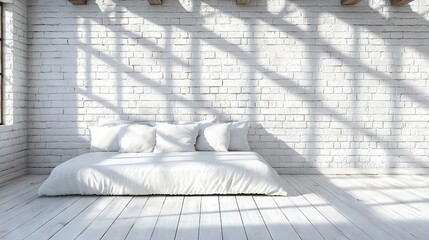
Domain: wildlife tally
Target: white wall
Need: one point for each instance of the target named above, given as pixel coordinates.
(13, 135)
(323, 85)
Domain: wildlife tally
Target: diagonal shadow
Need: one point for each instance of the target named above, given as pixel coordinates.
(284, 26)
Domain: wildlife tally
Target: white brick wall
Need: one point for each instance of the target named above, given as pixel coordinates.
(323, 85)
(13, 135)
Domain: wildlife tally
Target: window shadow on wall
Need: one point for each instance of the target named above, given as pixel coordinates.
(178, 78)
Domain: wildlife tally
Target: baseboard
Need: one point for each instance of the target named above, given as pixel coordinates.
(351, 171)
(10, 176)
(40, 171)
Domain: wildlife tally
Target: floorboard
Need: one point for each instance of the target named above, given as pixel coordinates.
(377, 223)
(147, 219)
(347, 227)
(278, 225)
(384, 205)
(318, 207)
(232, 224)
(210, 221)
(300, 223)
(253, 222)
(54, 225)
(18, 200)
(74, 228)
(9, 193)
(123, 224)
(189, 218)
(47, 214)
(24, 212)
(105, 219)
(168, 220)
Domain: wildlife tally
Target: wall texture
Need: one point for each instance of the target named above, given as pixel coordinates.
(13, 135)
(323, 85)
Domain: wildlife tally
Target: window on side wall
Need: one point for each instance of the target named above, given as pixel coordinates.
(1, 64)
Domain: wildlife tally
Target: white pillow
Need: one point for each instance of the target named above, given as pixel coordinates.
(104, 138)
(238, 141)
(176, 138)
(214, 137)
(133, 138)
(202, 125)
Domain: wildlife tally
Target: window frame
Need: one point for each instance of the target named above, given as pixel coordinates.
(1, 66)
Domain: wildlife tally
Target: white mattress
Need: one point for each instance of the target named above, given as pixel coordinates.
(181, 173)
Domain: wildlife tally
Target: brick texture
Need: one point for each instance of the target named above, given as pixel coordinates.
(13, 135)
(323, 85)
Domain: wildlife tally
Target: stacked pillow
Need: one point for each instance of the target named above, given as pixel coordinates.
(136, 138)
(104, 138)
(115, 136)
(239, 131)
(119, 136)
(214, 137)
(176, 138)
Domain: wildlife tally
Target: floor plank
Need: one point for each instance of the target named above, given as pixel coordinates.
(47, 214)
(18, 184)
(404, 193)
(300, 223)
(14, 181)
(189, 219)
(23, 188)
(14, 218)
(354, 207)
(105, 219)
(253, 222)
(210, 222)
(166, 226)
(58, 222)
(232, 224)
(375, 224)
(123, 224)
(19, 200)
(83, 220)
(394, 212)
(322, 225)
(347, 227)
(371, 189)
(278, 225)
(350, 213)
(388, 195)
(145, 224)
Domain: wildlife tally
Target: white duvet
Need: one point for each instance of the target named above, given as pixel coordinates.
(181, 173)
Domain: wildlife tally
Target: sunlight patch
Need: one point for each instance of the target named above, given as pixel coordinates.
(275, 6)
(188, 5)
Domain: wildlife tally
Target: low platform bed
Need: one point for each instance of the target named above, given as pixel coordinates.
(178, 173)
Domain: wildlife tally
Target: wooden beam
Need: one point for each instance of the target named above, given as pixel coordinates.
(155, 2)
(78, 2)
(400, 2)
(242, 2)
(349, 2)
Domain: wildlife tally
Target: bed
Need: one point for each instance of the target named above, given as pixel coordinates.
(178, 173)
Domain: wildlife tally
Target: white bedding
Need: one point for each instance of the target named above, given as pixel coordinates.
(179, 173)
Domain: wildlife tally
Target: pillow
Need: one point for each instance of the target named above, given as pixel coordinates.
(104, 138)
(202, 126)
(214, 137)
(134, 138)
(176, 138)
(238, 141)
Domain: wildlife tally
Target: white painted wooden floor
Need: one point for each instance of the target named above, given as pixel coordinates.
(319, 207)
